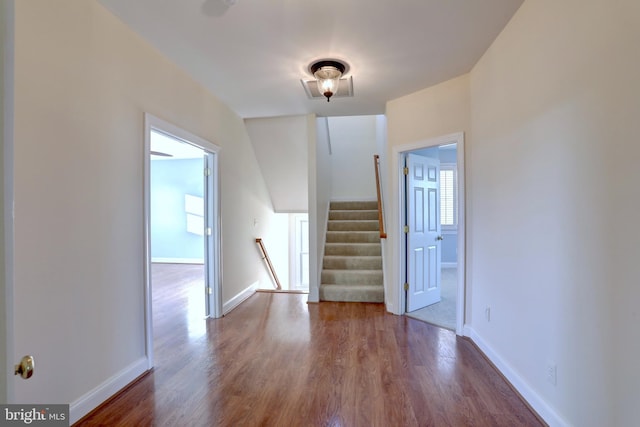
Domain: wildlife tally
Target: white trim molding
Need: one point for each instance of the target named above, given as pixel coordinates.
(536, 402)
(104, 391)
(239, 298)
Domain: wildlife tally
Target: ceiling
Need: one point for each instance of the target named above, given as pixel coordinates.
(252, 54)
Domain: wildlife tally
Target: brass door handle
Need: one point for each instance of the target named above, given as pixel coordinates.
(25, 367)
(439, 238)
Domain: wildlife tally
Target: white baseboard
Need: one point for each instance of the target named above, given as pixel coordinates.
(449, 265)
(104, 391)
(466, 330)
(177, 260)
(548, 414)
(239, 299)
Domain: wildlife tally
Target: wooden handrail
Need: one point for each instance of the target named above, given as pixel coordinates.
(376, 163)
(265, 256)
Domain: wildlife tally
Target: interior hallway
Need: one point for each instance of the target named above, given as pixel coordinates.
(276, 360)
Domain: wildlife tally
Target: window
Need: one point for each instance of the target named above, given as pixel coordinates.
(448, 196)
(194, 208)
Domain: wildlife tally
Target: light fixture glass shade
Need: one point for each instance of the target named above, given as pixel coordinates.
(328, 78)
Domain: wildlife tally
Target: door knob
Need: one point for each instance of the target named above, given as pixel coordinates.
(439, 238)
(25, 368)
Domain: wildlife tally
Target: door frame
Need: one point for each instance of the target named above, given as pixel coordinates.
(397, 300)
(7, 62)
(153, 123)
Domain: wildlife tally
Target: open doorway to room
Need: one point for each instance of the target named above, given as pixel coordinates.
(432, 218)
(440, 267)
(177, 230)
(182, 232)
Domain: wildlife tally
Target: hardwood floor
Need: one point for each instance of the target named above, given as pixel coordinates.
(278, 361)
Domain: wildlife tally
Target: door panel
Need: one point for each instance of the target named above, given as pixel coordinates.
(423, 244)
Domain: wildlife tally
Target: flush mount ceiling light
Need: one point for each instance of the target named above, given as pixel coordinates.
(328, 74)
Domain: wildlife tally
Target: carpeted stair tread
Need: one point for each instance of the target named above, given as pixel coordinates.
(354, 215)
(353, 236)
(353, 205)
(349, 277)
(352, 293)
(351, 249)
(357, 262)
(353, 225)
(352, 263)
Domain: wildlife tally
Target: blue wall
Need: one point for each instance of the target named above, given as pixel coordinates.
(448, 156)
(170, 181)
(450, 246)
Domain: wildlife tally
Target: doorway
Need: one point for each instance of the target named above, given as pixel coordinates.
(431, 271)
(182, 232)
(432, 297)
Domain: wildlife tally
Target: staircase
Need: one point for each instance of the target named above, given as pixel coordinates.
(352, 266)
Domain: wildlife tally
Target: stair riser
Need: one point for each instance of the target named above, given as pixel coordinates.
(353, 237)
(351, 277)
(352, 263)
(354, 215)
(364, 249)
(353, 226)
(346, 293)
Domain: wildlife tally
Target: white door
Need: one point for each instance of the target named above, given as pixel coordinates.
(424, 240)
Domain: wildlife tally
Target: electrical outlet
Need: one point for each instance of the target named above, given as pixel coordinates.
(487, 313)
(552, 373)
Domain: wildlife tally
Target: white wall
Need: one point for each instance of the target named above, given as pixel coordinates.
(353, 144)
(430, 113)
(319, 198)
(83, 83)
(554, 238)
(280, 144)
(559, 270)
(439, 110)
(381, 149)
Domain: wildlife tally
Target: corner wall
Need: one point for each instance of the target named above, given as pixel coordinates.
(319, 198)
(553, 238)
(286, 175)
(353, 144)
(83, 82)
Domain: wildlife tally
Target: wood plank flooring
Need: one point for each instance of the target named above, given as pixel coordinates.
(278, 361)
